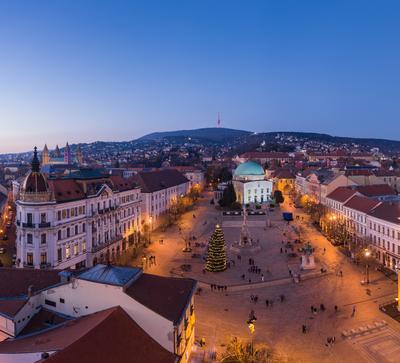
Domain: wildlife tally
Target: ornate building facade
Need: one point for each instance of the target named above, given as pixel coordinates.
(75, 221)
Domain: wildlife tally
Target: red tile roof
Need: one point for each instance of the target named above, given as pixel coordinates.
(10, 307)
(388, 212)
(362, 204)
(161, 179)
(15, 282)
(264, 155)
(341, 194)
(66, 190)
(376, 190)
(103, 337)
(358, 172)
(167, 296)
(284, 174)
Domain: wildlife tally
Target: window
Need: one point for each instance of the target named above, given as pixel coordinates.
(76, 229)
(43, 238)
(84, 246)
(43, 218)
(29, 218)
(59, 215)
(83, 227)
(29, 238)
(29, 258)
(43, 258)
(76, 249)
(67, 252)
(59, 255)
(68, 232)
(59, 235)
(50, 303)
(62, 301)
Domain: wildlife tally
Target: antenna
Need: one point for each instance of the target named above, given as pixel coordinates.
(219, 121)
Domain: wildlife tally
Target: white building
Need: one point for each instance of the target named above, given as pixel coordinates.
(159, 189)
(74, 221)
(251, 185)
(161, 308)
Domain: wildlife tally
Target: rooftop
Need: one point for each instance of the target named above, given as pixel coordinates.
(110, 333)
(342, 194)
(167, 296)
(249, 168)
(160, 179)
(362, 204)
(110, 275)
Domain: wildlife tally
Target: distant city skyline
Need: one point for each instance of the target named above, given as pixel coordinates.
(115, 71)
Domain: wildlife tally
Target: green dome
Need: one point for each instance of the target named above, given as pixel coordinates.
(249, 168)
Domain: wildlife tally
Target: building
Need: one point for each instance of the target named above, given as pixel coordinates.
(251, 185)
(159, 190)
(57, 159)
(74, 221)
(103, 314)
(264, 157)
(194, 175)
(317, 184)
(284, 181)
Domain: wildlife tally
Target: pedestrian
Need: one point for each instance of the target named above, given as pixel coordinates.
(312, 308)
(285, 250)
(341, 273)
(262, 277)
(304, 328)
(243, 276)
(249, 281)
(322, 307)
(266, 302)
(281, 250)
(336, 309)
(324, 250)
(354, 311)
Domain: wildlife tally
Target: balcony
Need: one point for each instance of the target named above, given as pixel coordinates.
(28, 225)
(105, 244)
(44, 225)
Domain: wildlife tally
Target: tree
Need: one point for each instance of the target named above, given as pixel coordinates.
(278, 197)
(240, 352)
(216, 254)
(228, 196)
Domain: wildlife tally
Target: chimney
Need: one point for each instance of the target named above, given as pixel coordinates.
(30, 291)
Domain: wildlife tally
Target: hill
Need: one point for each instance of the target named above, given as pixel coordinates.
(212, 133)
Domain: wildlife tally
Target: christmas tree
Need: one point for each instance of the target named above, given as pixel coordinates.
(216, 256)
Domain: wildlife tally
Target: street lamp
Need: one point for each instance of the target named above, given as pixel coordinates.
(150, 227)
(397, 268)
(367, 253)
(251, 325)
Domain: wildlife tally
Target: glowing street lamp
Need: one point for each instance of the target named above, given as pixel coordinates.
(397, 268)
(367, 254)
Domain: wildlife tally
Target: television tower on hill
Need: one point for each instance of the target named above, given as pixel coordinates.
(219, 121)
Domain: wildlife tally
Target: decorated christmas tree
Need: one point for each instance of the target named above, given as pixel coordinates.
(216, 256)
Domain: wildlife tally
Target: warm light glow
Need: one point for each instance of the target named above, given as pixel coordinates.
(251, 327)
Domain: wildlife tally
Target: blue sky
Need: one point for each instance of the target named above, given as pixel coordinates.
(114, 70)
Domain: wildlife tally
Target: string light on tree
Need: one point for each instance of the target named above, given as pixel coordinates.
(216, 256)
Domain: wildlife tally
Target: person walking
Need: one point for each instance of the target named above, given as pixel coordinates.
(336, 309)
(262, 277)
(354, 311)
(304, 329)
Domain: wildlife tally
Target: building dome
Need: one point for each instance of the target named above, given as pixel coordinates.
(249, 168)
(35, 187)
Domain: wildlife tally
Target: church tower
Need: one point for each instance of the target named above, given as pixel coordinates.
(67, 155)
(57, 152)
(45, 155)
(79, 156)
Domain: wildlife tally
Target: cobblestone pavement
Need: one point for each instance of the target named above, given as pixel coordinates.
(222, 315)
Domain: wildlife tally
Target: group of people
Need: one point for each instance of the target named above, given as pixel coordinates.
(215, 287)
(270, 303)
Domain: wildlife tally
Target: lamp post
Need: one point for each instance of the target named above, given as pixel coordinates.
(397, 268)
(251, 325)
(367, 254)
(150, 227)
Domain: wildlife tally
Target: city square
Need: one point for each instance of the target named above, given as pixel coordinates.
(223, 314)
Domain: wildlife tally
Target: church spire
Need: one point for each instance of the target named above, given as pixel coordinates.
(45, 155)
(35, 164)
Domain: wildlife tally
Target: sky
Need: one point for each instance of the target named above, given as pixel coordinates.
(82, 71)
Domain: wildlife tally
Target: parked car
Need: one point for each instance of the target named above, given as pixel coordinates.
(2, 250)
